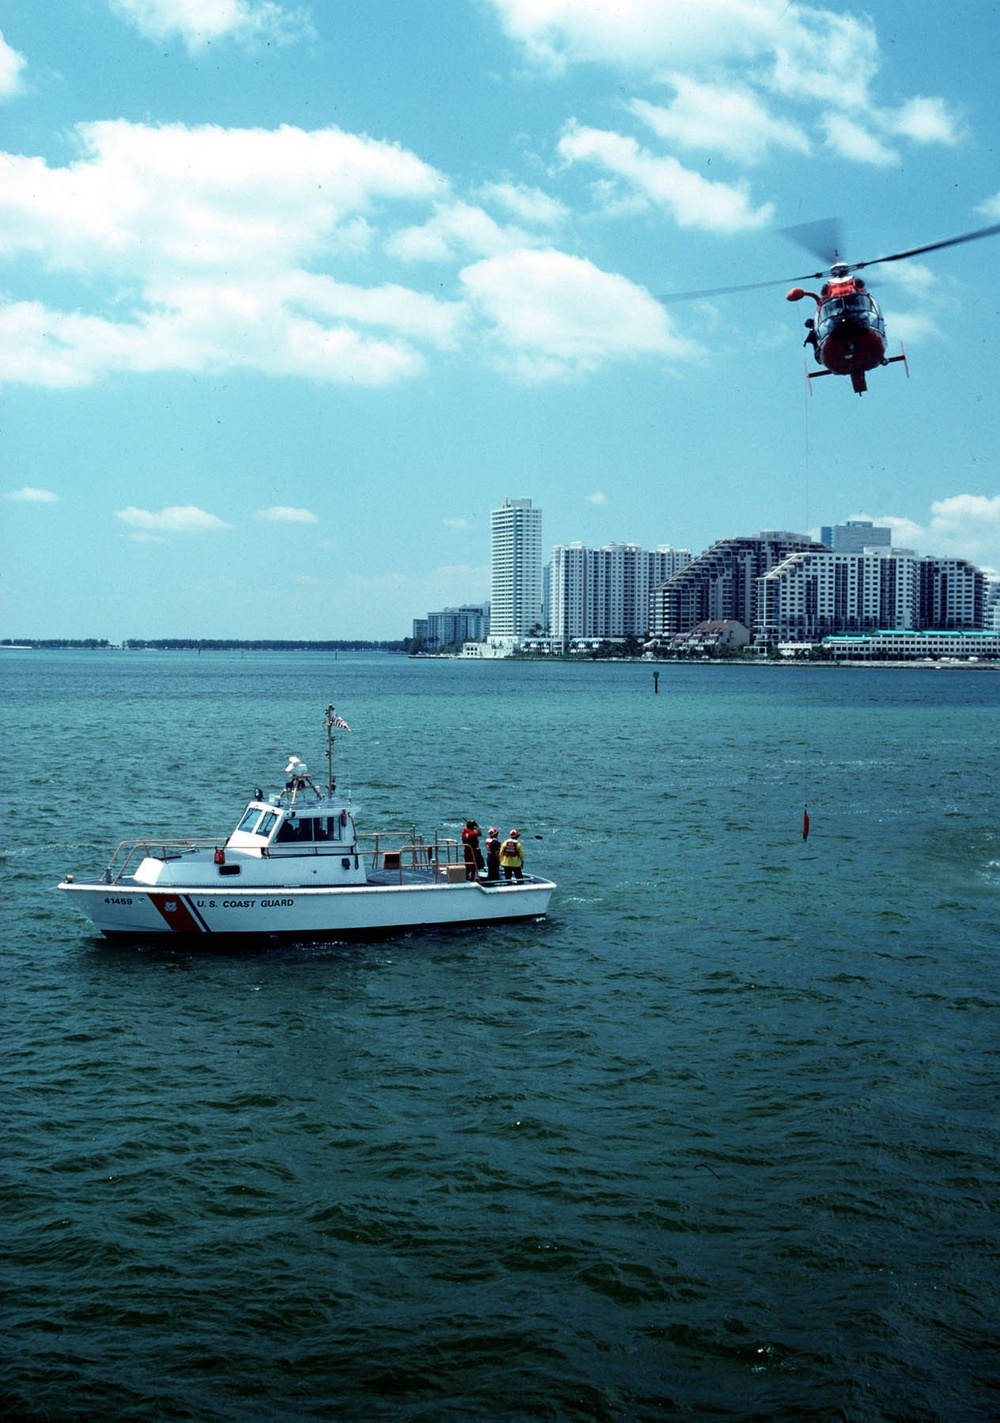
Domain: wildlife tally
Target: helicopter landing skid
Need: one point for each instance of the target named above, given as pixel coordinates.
(901, 357)
(814, 375)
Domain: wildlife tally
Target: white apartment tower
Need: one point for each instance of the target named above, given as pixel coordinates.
(516, 555)
(605, 592)
(813, 594)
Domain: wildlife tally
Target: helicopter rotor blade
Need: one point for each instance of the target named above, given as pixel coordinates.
(821, 238)
(743, 287)
(828, 224)
(930, 247)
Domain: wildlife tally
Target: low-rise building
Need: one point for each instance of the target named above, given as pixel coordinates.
(451, 626)
(913, 645)
(715, 635)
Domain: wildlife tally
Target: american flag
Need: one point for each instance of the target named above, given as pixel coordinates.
(339, 722)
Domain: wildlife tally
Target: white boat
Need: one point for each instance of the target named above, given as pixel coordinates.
(296, 867)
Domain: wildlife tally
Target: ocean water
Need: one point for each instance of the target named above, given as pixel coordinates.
(718, 1139)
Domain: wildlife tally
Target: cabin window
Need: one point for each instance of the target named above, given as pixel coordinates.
(250, 819)
(267, 824)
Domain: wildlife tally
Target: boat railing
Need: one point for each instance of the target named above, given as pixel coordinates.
(406, 850)
(129, 853)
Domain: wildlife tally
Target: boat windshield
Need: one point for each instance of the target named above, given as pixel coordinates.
(250, 819)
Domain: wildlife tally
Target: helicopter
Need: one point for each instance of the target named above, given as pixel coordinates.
(847, 332)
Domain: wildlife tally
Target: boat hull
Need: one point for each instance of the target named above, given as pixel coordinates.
(358, 911)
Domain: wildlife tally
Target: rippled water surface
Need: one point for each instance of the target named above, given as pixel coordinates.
(717, 1140)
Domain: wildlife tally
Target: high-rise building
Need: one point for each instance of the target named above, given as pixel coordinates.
(855, 536)
(814, 594)
(605, 592)
(721, 584)
(516, 584)
(991, 605)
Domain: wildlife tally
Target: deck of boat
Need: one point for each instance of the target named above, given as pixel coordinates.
(425, 878)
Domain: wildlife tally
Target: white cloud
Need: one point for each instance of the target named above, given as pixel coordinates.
(529, 205)
(804, 54)
(991, 207)
(12, 66)
(968, 526)
(909, 326)
(455, 229)
(176, 519)
(456, 523)
(959, 526)
(925, 121)
(553, 315)
(597, 497)
(799, 51)
(694, 201)
(822, 57)
(212, 239)
(199, 23)
(638, 35)
(146, 200)
(286, 514)
(725, 119)
(28, 495)
(851, 140)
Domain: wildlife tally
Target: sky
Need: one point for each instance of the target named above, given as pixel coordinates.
(293, 294)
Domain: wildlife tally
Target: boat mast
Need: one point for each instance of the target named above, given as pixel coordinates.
(329, 723)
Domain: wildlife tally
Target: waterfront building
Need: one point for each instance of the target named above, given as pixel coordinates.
(889, 645)
(721, 584)
(952, 594)
(516, 576)
(991, 607)
(471, 622)
(855, 536)
(813, 594)
(604, 593)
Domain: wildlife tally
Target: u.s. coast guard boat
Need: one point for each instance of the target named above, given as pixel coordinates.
(296, 867)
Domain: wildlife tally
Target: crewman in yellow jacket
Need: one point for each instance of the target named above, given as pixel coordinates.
(512, 857)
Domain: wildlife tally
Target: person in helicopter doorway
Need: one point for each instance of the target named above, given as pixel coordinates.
(470, 845)
(811, 337)
(492, 855)
(512, 857)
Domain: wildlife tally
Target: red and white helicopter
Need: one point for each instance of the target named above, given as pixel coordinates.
(847, 332)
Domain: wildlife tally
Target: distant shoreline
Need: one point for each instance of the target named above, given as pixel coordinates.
(397, 648)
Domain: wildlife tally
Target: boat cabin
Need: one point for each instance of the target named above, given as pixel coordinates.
(271, 828)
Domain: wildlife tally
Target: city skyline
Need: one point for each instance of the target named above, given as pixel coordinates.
(293, 293)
